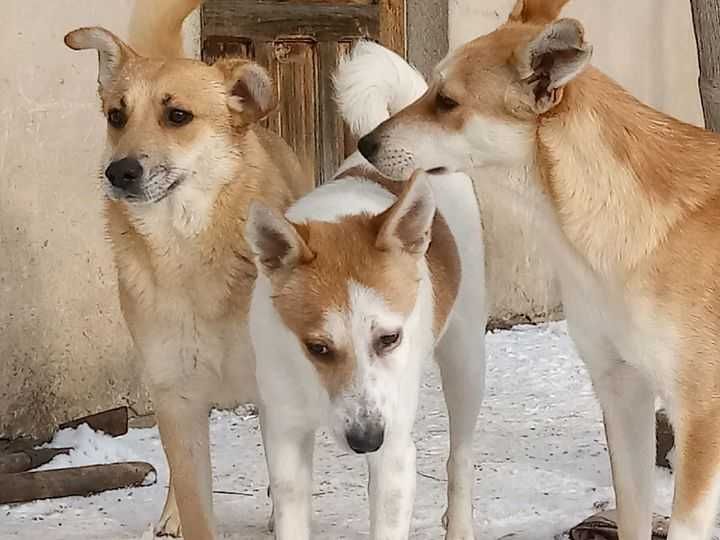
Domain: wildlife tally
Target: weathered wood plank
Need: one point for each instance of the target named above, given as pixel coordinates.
(215, 47)
(317, 2)
(393, 25)
(331, 139)
(267, 22)
(293, 65)
(114, 422)
(706, 20)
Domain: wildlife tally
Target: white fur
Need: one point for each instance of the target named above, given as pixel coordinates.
(345, 197)
(294, 402)
(372, 83)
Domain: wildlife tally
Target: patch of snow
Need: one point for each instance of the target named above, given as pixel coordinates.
(541, 462)
(90, 448)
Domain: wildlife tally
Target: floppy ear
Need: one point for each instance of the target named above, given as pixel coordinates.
(274, 240)
(407, 224)
(536, 11)
(551, 60)
(112, 52)
(251, 90)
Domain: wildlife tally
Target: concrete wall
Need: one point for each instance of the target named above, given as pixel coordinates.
(427, 33)
(647, 46)
(64, 350)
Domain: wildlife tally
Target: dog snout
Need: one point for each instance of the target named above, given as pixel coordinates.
(369, 146)
(365, 438)
(124, 173)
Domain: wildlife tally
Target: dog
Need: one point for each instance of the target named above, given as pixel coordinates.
(626, 202)
(358, 284)
(185, 156)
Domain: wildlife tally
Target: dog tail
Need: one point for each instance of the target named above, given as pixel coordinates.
(156, 26)
(372, 83)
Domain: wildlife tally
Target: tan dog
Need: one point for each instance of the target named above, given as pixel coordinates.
(627, 203)
(185, 157)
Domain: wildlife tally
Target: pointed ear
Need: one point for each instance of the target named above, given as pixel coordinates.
(536, 11)
(407, 224)
(251, 90)
(275, 241)
(551, 60)
(112, 52)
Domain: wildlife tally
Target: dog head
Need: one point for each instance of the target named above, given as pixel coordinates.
(170, 122)
(486, 99)
(347, 291)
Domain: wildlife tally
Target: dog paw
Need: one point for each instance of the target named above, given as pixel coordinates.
(169, 525)
(455, 530)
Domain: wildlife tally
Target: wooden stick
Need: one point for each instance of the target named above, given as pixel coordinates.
(28, 459)
(75, 481)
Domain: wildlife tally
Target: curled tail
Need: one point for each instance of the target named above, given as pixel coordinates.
(156, 26)
(372, 83)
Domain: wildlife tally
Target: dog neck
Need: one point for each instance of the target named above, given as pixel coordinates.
(619, 174)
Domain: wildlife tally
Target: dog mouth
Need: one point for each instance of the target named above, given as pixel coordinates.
(157, 188)
(437, 170)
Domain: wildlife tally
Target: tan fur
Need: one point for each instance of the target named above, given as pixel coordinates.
(185, 272)
(648, 222)
(442, 256)
(655, 224)
(537, 11)
(149, 16)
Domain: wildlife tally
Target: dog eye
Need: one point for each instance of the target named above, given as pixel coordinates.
(178, 117)
(116, 118)
(387, 342)
(318, 349)
(445, 104)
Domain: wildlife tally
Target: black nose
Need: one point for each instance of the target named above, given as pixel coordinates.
(124, 172)
(365, 439)
(368, 147)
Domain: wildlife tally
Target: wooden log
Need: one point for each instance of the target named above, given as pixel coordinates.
(114, 422)
(28, 459)
(75, 481)
(706, 21)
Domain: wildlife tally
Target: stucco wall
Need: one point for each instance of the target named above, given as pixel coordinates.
(63, 348)
(647, 46)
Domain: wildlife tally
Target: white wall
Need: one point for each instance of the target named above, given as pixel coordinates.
(646, 45)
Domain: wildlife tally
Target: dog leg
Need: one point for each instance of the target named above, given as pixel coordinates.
(391, 488)
(461, 357)
(183, 424)
(697, 469)
(289, 455)
(628, 403)
(169, 524)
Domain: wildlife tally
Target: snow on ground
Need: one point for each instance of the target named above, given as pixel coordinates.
(541, 462)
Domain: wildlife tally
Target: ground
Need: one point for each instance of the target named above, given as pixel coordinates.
(541, 462)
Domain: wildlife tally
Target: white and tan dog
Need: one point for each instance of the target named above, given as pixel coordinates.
(360, 283)
(627, 203)
(185, 156)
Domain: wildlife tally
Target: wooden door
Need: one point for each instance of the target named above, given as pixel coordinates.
(300, 41)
